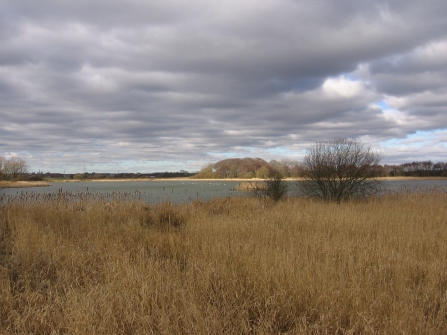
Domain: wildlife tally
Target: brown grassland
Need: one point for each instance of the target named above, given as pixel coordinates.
(226, 266)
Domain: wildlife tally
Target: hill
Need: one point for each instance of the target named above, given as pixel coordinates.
(246, 168)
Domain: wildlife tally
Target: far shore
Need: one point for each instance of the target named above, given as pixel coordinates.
(158, 179)
(26, 184)
(414, 178)
(225, 179)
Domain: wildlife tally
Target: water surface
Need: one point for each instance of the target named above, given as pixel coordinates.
(187, 190)
(150, 191)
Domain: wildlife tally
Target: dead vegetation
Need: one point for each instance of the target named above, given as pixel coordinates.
(226, 266)
(22, 184)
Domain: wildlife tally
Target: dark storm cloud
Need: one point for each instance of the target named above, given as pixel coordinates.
(106, 82)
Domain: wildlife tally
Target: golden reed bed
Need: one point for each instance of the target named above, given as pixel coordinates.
(22, 184)
(227, 266)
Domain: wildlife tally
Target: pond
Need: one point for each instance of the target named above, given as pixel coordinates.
(179, 191)
(149, 191)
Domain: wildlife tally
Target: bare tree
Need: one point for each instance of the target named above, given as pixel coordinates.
(340, 170)
(2, 161)
(14, 168)
(273, 187)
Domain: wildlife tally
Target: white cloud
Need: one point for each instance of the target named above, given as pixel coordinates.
(342, 87)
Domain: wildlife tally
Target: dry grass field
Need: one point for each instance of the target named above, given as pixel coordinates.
(227, 266)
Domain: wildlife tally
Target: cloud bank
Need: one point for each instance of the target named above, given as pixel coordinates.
(165, 85)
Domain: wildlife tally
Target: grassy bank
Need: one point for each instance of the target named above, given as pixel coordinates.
(22, 184)
(230, 266)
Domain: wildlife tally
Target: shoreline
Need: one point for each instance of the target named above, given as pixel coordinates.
(27, 184)
(156, 179)
(413, 178)
(233, 179)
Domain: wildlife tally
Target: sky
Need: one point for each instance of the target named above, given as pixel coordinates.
(146, 86)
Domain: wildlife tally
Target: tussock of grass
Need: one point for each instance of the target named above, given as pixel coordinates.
(227, 266)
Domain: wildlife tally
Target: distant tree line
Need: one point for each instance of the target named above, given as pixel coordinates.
(247, 168)
(416, 169)
(111, 176)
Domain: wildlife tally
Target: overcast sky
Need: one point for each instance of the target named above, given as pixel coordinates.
(151, 85)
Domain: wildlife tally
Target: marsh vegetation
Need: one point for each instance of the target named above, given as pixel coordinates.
(225, 266)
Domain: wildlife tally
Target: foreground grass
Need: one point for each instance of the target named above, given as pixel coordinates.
(230, 266)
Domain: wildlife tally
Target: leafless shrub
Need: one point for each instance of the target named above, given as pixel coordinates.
(273, 187)
(340, 170)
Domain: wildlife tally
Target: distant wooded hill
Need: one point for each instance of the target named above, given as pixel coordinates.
(246, 168)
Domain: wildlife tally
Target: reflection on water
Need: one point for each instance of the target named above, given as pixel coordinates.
(179, 191)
